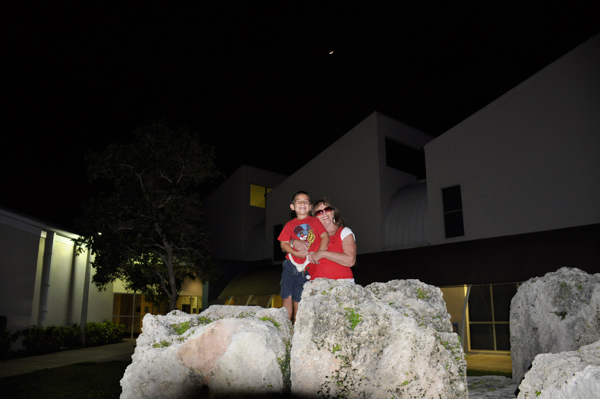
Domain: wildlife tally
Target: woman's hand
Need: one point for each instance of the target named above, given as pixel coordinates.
(315, 256)
(300, 246)
(346, 258)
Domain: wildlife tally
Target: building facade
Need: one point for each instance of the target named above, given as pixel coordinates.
(43, 282)
(511, 193)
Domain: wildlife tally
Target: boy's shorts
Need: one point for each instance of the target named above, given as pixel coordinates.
(292, 281)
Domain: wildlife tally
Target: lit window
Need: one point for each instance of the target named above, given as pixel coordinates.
(453, 213)
(258, 195)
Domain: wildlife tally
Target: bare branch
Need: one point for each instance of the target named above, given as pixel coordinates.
(164, 285)
(123, 228)
(182, 163)
(165, 177)
(140, 179)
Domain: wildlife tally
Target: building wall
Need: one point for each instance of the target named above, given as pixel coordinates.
(19, 246)
(23, 246)
(228, 217)
(68, 287)
(64, 276)
(529, 161)
(100, 303)
(393, 181)
(347, 173)
(353, 173)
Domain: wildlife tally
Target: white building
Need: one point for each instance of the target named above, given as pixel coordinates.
(529, 161)
(234, 214)
(512, 192)
(359, 175)
(43, 283)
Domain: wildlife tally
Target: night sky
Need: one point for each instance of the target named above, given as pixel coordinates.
(258, 82)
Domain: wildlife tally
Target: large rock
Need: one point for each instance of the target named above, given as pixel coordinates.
(565, 375)
(391, 340)
(555, 313)
(224, 351)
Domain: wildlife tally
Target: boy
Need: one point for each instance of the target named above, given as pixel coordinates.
(310, 230)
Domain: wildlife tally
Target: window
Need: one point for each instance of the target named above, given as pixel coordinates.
(489, 313)
(453, 214)
(258, 195)
(265, 301)
(404, 158)
(127, 309)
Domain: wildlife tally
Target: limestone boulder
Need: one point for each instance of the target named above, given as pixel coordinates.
(554, 313)
(565, 375)
(391, 340)
(224, 351)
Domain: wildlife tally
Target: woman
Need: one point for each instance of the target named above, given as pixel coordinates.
(335, 262)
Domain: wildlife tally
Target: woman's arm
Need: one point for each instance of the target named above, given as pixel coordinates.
(346, 258)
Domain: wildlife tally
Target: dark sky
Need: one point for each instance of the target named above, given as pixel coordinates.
(257, 82)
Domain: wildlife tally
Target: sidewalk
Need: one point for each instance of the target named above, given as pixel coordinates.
(121, 351)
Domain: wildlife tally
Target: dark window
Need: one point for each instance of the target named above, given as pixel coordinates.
(404, 158)
(489, 309)
(482, 336)
(480, 303)
(278, 254)
(453, 214)
(502, 337)
(503, 294)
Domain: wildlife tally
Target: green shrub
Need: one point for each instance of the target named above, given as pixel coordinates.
(41, 340)
(6, 339)
(71, 336)
(103, 333)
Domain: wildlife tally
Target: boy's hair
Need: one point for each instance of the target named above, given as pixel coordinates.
(299, 192)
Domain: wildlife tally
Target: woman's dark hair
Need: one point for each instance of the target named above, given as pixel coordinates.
(337, 215)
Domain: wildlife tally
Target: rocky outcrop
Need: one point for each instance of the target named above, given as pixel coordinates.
(565, 375)
(224, 351)
(555, 313)
(391, 340)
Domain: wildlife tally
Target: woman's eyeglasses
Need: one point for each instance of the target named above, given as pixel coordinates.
(321, 211)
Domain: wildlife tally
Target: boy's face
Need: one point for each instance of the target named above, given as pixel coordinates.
(301, 205)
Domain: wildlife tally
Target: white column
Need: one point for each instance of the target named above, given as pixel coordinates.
(45, 282)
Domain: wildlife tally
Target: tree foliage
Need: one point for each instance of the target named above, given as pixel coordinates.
(144, 227)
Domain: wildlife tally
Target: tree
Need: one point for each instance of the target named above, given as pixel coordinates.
(144, 227)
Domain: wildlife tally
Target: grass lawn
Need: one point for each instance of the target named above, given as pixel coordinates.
(82, 380)
(480, 373)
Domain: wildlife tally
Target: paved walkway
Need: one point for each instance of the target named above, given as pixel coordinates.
(121, 351)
